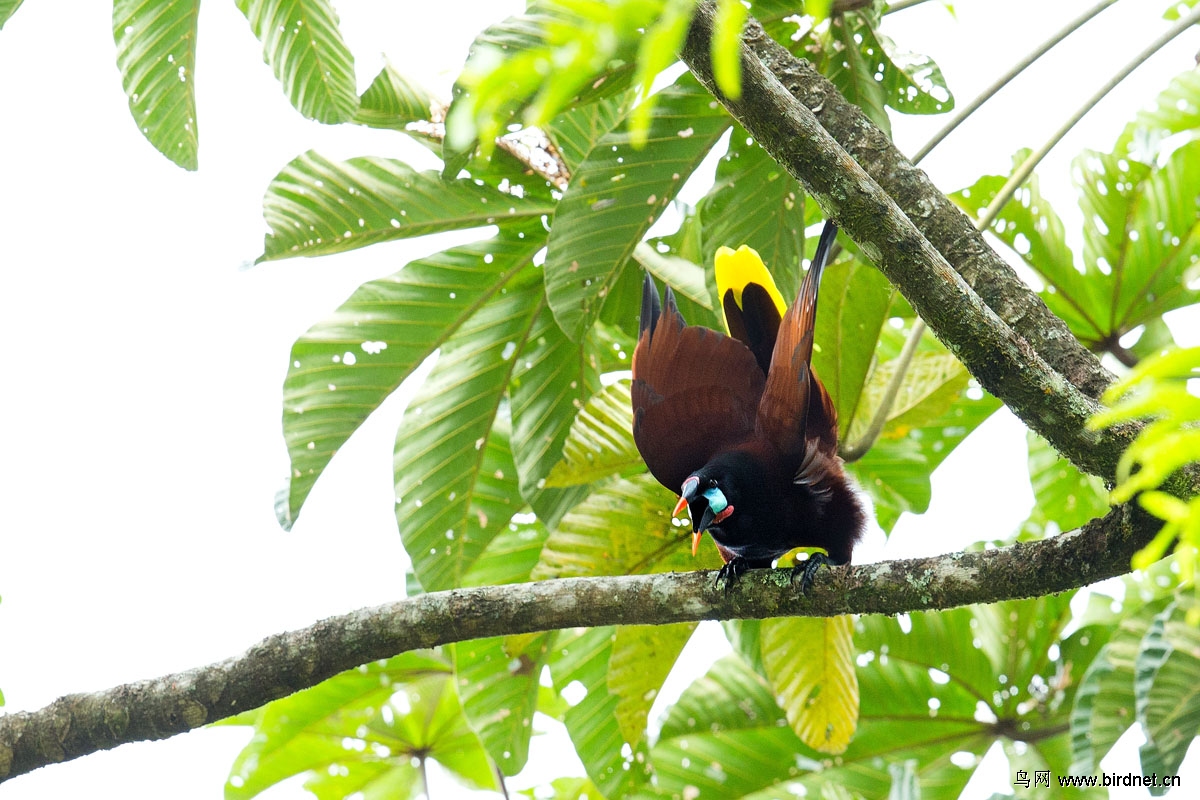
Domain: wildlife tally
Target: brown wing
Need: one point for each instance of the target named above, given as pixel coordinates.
(695, 391)
(795, 406)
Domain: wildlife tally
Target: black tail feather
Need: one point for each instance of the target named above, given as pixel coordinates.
(651, 310)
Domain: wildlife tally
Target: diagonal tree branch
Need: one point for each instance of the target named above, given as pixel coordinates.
(1003, 361)
(946, 227)
(79, 724)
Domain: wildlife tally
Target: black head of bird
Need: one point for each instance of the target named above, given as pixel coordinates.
(740, 425)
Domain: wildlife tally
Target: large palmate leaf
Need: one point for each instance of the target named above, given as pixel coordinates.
(600, 443)
(363, 730)
(553, 378)
(156, 54)
(617, 193)
(1175, 110)
(456, 484)
(642, 657)
(1167, 689)
(931, 383)
(346, 365)
(1064, 497)
(536, 64)
(1143, 237)
(304, 47)
(499, 694)
(1104, 703)
(810, 664)
(582, 662)
(577, 130)
(315, 206)
(392, 102)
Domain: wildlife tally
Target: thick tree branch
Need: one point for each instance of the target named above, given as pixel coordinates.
(950, 231)
(1003, 361)
(79, 724)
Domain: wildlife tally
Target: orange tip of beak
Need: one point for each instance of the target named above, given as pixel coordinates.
(679, 507)
(696, 542)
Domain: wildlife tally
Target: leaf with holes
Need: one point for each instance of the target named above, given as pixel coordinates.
(316, 206)
(156, 54)
(302, 43)
(600, 443)
(552, 379)
(361, 730)
(345, 366)
(499, 695)
(642, 657)
(456, 484)
(617, 193)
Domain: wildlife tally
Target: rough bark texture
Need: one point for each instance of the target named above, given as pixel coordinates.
(946, 227)
(78, 724)
(1004, 362)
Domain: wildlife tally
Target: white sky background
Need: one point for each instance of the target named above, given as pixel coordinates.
(143, 365)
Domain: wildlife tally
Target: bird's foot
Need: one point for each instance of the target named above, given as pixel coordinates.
(732, 572)
(807, 569)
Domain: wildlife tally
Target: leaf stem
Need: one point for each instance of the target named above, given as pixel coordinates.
(1022, 173)
(1006, 78)
(859, 449)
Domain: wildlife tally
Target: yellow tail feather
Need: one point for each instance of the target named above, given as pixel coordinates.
(736, 269)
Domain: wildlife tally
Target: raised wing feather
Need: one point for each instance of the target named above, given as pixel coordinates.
(695, 391)
(795, 406)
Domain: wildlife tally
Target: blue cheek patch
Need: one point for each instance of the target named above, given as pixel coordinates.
(716, 500)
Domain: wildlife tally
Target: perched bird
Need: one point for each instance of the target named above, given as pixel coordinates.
(740, 425)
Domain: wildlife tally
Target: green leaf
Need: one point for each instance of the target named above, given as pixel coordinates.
(456, 484)
(1136, 255)
(1064, 497)
(928, 388)
(642, 657)
(755, 202)
(810, 663)
(345, 366)
(600, 442)
(499, 694)
(685, 278)
(156, 54)
(852, 69)
(854, 303)
(577, 129)
(1175, 110)
(392, 102)
(362, 727)
(1167, 688)
(583, 658)
(510, 557)
(553, 56)
(7, 9)
(1104, 704)
(553, 378)
(912, 82)
(302, 43)
(622, 528)
(315, 206)
(616, 194)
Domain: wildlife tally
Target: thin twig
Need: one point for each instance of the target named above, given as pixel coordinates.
(858, 449)
(1006, 78)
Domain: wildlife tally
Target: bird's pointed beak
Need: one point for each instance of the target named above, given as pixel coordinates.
(686, 494)
(696, 536)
